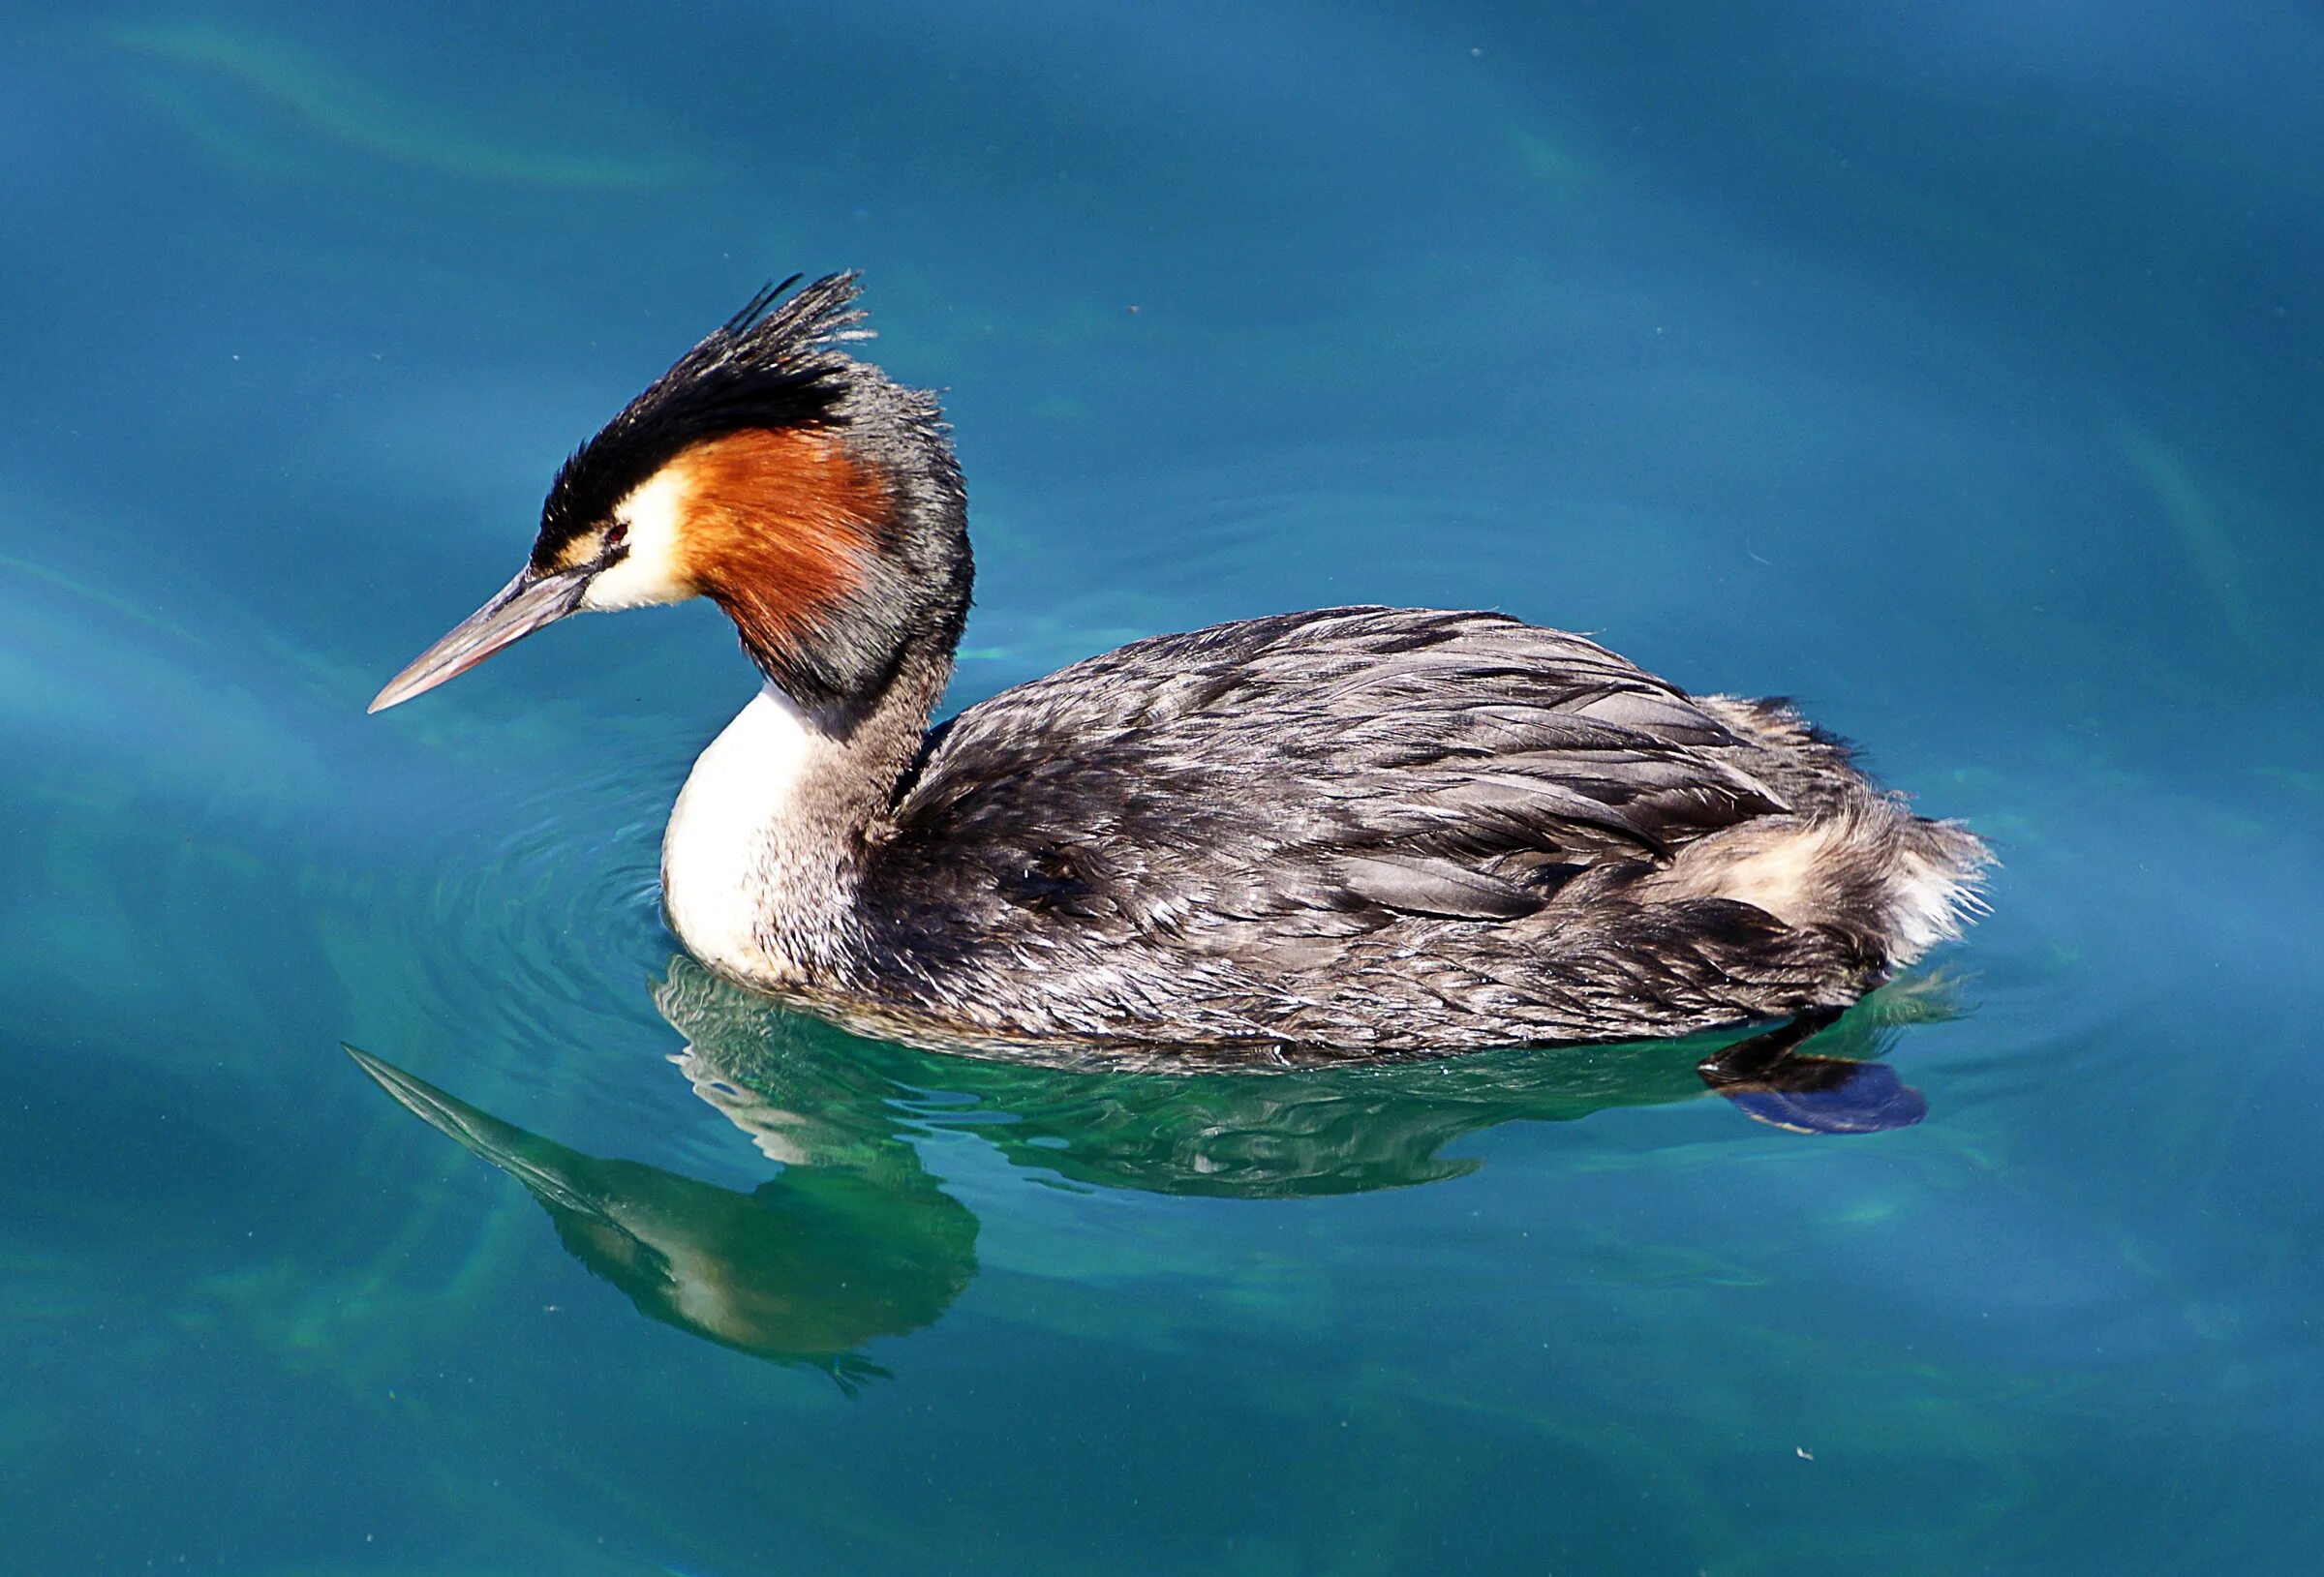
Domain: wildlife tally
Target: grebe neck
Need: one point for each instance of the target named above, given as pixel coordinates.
(763, 857)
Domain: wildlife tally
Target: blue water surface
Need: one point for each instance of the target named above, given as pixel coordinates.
(1955, 369)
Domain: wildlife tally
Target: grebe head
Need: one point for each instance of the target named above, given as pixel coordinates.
(812, 499)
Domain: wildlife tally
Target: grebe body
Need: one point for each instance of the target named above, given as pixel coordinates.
(1363, 830)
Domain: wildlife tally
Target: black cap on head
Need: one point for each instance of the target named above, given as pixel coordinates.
(775, 364)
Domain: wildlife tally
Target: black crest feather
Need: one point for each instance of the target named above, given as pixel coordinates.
(775, 364)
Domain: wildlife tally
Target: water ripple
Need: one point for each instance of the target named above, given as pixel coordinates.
(526, 933)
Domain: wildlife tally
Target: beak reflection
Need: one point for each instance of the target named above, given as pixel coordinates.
(804, 1270)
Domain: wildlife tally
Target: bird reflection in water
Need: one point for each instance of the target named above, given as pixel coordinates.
(803, 1270)
(853, 1240)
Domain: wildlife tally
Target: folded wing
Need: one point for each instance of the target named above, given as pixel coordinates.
(1329, 772)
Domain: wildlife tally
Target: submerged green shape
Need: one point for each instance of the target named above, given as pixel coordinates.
(2211, 552)
(333, 102)
(110, 601)
(1546, 160)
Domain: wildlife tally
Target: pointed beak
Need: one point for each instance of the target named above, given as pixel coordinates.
(544, 1166)
(518, 609)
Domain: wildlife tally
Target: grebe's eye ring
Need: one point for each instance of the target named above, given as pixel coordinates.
(617, 544)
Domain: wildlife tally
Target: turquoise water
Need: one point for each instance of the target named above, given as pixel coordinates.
(1954, 369)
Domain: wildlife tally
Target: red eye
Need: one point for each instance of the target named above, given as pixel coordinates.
(617, 536)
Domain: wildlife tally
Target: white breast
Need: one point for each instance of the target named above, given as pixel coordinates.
(725, 858)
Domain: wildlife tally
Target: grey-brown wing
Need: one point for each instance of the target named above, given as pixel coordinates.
(1345, 767)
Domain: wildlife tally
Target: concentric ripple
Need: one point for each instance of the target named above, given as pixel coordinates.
(524, 932)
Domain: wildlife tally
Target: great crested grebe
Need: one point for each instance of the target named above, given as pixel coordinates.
(1358, 829)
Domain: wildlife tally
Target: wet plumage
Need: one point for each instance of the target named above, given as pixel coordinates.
(1370, 828)
(1357, 831)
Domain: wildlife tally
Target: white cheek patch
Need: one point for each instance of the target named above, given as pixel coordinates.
(652, 572)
